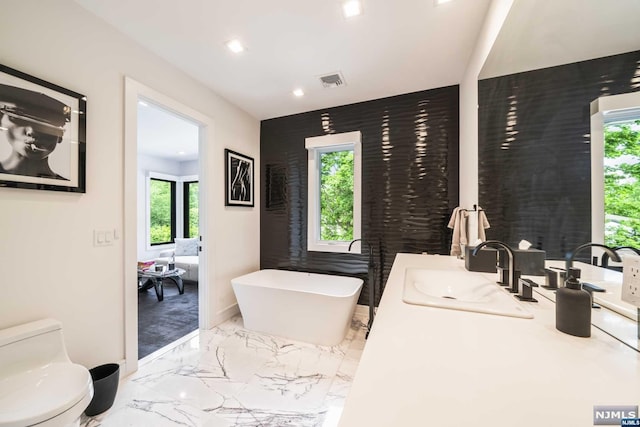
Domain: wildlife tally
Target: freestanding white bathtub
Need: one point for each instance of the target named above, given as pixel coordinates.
(316, 308)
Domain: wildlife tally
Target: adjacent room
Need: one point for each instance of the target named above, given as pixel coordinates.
(168, 232)
(309, 213)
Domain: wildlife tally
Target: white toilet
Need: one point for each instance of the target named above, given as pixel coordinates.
(39, 385)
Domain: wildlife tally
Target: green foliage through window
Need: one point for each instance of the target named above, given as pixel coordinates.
(191, 209)
(622, 184)
(336, 196)
(162, 211)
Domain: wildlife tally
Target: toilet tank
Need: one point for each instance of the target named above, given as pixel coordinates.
(31, 345)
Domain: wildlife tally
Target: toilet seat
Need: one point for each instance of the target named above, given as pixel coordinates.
(35, 396)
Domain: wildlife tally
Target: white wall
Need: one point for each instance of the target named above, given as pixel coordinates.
(189, 168)
(50, 266)
(160, 165)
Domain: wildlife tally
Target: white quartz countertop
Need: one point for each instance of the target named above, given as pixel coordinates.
(426, 366)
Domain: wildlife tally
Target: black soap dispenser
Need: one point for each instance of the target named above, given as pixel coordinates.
(573, 307)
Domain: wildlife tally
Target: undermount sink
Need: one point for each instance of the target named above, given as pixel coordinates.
(460, 290)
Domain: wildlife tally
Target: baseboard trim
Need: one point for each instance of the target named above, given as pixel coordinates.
(226, 313)
(123, 368)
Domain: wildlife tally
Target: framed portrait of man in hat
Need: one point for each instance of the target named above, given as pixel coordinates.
(42, 134)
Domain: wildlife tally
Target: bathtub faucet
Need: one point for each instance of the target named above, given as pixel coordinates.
(371, 263)
(371, 271)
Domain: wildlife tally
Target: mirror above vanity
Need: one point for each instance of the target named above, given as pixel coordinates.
(550, 61)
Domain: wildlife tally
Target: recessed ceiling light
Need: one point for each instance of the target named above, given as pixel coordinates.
(439, 2)
(298, 92)
(235, 46)
(351, 8)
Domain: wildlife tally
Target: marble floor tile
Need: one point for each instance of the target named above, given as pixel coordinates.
(231, 376)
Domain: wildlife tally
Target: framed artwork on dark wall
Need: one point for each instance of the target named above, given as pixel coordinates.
(238, 179)
(42, 134)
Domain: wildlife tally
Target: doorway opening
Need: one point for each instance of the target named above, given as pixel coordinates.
(168, 232)
(136, 207)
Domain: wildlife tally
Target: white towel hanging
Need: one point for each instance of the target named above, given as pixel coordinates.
(459, 222)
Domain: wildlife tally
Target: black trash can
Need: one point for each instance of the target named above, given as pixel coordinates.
(105, 385)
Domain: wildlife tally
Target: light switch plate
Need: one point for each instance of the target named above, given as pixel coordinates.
(103, 237)
(631, 280)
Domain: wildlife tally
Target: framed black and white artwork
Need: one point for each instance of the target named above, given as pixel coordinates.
(238, 179)
(42, 134)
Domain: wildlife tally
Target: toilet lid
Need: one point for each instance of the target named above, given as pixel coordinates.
(42, 393)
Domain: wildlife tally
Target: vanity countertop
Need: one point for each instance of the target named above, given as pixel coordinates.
(425, 366)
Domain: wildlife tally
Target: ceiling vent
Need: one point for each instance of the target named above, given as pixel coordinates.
(332, 80)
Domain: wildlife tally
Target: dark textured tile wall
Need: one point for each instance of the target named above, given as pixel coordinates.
(534, 149)
(409, 179)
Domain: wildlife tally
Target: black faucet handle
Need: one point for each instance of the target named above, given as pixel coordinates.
(591, 288)
(526, 290)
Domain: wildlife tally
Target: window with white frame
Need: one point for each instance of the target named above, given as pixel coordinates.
(334, 191)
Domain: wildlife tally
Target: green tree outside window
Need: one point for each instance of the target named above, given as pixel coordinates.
(622, 184)
(193, 210)
(160, 211)
(336, 196)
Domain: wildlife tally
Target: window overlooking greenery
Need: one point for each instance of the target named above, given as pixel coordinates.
(334, 188)
(336, 196)
(162, 211)
(191, 209)
(622, 184)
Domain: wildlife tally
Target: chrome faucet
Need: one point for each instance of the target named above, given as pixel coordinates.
(371, 272)
(605, 256)
(569, 256)
(513, 276)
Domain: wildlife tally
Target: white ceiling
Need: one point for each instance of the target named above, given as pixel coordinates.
(165, 135)
(395, 47)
